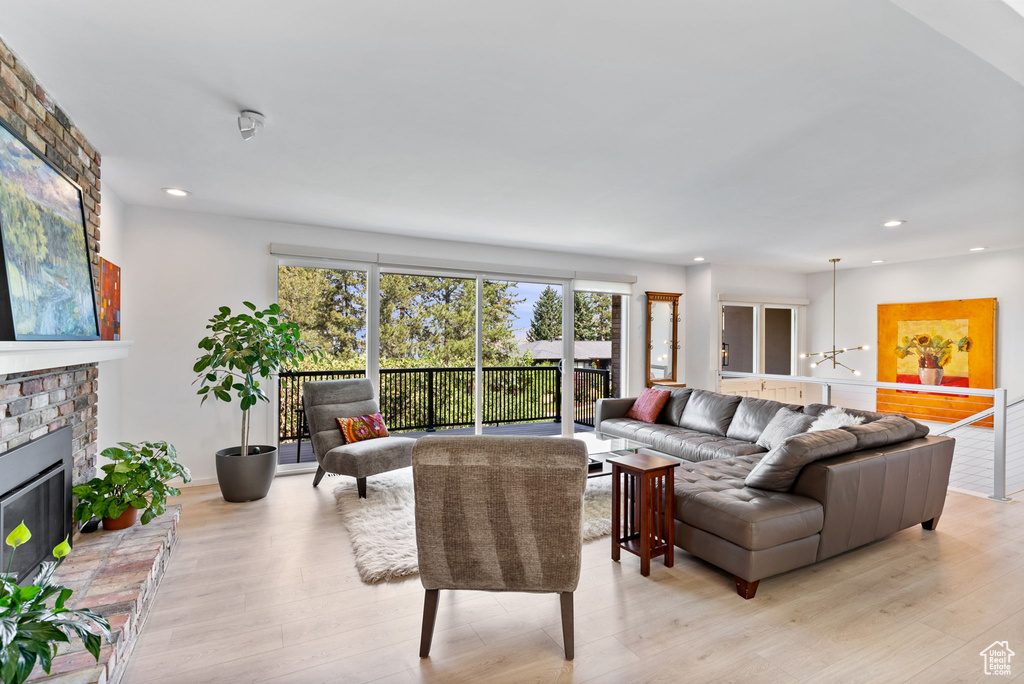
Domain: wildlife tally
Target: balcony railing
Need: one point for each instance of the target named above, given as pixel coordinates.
(431, 398)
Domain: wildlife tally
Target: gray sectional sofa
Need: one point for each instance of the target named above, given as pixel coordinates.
(818, 494)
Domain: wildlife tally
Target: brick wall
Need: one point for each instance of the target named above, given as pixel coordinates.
(617, 345)
(31, 404)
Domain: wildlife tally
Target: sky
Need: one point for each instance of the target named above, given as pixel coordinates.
(524, 311)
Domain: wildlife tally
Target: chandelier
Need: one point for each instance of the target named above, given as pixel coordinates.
(833, 354)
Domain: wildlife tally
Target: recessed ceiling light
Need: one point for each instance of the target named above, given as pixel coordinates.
(177, 192)
(878, 261)
(698, 258)
(977, 249)
(893, 223)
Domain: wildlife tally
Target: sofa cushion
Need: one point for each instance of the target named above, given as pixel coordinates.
(887, 430)
(779, 468)
(709, 412)
(690, 445)
(752, 417)
(648, 405)
(712, 497)
(673, 411)
(784, 425)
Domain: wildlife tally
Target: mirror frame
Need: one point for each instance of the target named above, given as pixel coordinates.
(673, 299)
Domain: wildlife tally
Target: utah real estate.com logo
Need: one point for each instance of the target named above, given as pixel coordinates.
(997, 658)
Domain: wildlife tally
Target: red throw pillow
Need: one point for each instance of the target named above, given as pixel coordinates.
(648, 405)
(358, 428)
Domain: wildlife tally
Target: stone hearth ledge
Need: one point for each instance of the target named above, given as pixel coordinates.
(116, 574)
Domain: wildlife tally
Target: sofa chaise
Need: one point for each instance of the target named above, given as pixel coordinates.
(758, 512)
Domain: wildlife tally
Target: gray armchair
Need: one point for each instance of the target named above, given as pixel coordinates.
(329, 399)
(499, 514)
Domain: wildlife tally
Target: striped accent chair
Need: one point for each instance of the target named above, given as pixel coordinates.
(499, 514)
(325, 401)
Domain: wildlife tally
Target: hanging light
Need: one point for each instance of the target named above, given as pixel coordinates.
(833, 354)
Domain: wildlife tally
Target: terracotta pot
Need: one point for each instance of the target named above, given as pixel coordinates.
(124, 521)
(930, 376)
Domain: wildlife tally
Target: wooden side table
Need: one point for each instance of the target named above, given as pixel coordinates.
(642, 506)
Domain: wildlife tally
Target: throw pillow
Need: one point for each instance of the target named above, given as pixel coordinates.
(780, 467)
(648, 405)
(784, 425)
(833, 418)
(358, 428)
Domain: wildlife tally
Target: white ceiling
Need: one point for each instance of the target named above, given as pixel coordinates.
(780, 133)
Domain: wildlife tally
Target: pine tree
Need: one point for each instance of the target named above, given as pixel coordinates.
(546, 323)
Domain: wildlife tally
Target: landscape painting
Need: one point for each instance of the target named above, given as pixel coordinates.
(47, 276)
(947, 344)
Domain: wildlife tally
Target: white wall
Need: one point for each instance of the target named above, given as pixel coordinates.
(180, 267)
(111, 380)
(704, 283)
(997, 274)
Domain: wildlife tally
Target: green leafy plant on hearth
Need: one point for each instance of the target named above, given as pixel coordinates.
(242, 349)
(137, 476)
(31, 625)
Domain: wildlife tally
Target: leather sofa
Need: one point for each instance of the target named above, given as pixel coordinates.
(835, 504)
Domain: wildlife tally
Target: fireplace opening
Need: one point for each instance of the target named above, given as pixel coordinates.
(35, 488)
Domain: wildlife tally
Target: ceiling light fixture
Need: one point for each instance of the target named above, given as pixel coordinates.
(833, 354)
(878, 261)
(977, 249)
(250, 123)
(177, 192)
(698, 258)
(893, 223)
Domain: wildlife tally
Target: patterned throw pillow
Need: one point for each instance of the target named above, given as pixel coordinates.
(358, 428)
(648, 405)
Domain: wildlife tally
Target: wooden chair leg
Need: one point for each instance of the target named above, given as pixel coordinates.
(931, 524)
(320, 472)
(568, 624)
(429, 617)
(746, 589)
(361, 486)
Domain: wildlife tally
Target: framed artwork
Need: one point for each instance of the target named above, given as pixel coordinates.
(46, 286)
(948, 344)
(110, 301)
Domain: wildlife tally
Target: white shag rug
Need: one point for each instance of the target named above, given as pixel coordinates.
(383, 525)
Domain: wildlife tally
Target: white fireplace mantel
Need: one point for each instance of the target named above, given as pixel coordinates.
(20, 357)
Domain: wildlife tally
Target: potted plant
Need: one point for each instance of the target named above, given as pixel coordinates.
(135, 480)
(934, 352)
(30, 628)
(240, 350)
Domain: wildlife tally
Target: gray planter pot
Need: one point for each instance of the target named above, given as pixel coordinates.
(246, 478)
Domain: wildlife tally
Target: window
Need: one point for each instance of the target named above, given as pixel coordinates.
(759, 338)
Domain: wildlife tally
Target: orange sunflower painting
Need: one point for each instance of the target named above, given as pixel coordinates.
(948, 344)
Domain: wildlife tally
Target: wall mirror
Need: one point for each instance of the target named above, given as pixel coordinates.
(662, 337)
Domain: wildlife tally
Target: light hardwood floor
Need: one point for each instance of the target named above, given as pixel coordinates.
(267, 592)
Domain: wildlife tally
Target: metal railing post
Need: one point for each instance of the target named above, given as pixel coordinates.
(558, 396)
(430, 400)
(999, 446)
(826, 394)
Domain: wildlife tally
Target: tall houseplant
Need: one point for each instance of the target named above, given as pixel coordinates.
(241, 350)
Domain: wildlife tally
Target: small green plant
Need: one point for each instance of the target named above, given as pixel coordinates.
(136, 477)
(30, 628)
(243, 348)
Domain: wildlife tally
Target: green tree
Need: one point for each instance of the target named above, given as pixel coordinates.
(546, 323)
(329, 306)
(592, 316)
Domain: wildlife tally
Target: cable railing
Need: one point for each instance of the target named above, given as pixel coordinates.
(988, 458)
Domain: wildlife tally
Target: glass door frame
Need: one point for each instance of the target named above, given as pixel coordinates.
(796, 306)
